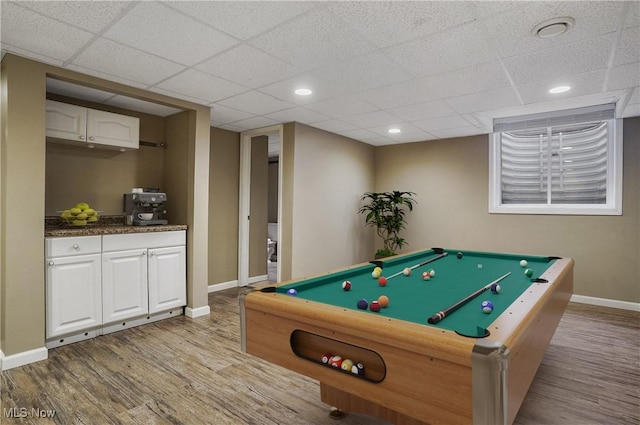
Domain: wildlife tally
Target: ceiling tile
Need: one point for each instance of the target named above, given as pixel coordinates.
(334, 126)
(573, 58)
(581, 84)
(285, 89)
(92, 16)
(628, 50)
(243, 19)
(481, 77)
(145, 28)
(359, 134)
(105, 76)
(201, 86)
(624, 76)
(379, 21)
(115, 59)
(299, 114)
(223, 114)
(406, 129)
(371, 119)
(456, 132)
(511, 31)
(8, 48)
(240, 63)
(256, 103)
(412, 137)
(457, 48)
(444, 123)
(254, 122)
(485, 101)
(421, 111)
(363, 73)
(342, 106)
(32, 32)
(400, 94)
(331, 41)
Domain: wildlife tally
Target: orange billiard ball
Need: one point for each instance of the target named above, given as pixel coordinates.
(383, 300)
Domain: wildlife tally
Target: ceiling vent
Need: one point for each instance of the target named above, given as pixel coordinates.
(552, 27)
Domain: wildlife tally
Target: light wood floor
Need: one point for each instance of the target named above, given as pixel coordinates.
(191, 371)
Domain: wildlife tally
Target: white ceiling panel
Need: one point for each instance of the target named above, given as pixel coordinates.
(239, 65)
(145, 28)
(116, 59)
(450, 66)
(31, 31)
(202, 86)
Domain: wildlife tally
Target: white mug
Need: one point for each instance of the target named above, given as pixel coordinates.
(145, 216)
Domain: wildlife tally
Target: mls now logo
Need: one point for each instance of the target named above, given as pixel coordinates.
(23, 412)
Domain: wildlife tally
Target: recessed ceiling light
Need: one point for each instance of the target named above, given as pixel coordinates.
(303, 92)
(559, 89)
(394, 130)
(553, 27)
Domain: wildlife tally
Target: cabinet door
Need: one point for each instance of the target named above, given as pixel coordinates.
(167, 278)
(73, 294)
(66, 121)
(124, 285)
(106, 128)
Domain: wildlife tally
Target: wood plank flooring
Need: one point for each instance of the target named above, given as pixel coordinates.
(191, 371)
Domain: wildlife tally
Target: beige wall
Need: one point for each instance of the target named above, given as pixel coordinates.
(224, 181)
(331, 173)
(450, 178)
(22, 195)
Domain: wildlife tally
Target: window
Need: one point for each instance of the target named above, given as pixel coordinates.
(567, 162)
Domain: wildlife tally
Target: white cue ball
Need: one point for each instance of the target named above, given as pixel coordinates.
(524, 263)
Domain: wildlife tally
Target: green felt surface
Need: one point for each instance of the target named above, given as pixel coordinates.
(415, 300)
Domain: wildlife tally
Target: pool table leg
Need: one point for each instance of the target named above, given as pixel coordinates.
(346, 402)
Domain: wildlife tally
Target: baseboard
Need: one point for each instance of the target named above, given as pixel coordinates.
(604, 302)
(222, 286)
(257, 279)
(23, 358)
(197, 312)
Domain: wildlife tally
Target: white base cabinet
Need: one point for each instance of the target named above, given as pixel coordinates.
(100, 284)
(73, 285)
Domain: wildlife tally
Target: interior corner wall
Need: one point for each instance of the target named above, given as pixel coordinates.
(331, 174)
(451, 178)
(224, 187)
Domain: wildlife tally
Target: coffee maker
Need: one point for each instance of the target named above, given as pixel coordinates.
(145, 208)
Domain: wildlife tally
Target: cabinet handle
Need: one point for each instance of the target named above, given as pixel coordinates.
(76, 246)
(144, 253)
(92, 138)
(81, 137)
(51, 263)
(152, 253)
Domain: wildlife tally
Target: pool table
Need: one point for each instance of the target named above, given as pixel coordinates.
(470, 367)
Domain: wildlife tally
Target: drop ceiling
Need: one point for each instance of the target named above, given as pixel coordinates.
(432, 69)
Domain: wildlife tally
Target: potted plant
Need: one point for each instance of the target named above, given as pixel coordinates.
(386, 212)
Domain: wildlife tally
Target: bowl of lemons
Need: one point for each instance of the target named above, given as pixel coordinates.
(80, 215)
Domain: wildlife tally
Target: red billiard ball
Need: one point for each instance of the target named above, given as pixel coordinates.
(382, 281)
(374, 306)
(326, 357)
(336, 361)
(346, 285)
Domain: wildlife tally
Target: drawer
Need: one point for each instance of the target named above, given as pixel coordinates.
(143, 240)
(76, 245)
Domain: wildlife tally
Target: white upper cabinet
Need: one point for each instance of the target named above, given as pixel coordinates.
(92, 127)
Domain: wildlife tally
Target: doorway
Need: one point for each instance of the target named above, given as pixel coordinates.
(260, 206)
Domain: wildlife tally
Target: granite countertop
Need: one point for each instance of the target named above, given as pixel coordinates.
(108, 225)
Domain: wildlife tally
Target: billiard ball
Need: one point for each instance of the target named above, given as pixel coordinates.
(363, 304)
(487, 306)
(292, 292)
(406, 271)
(383, 300)
(378, 269)
(528, 272)
(376, 273)
(346, 285)
(459, 255)
(382, 281)
(432, 272)
(495, 288)
(426, 275)
(336, 361)
(523, 263)
(326, 357)
(347, 364)
(357, 369)
(374, 306)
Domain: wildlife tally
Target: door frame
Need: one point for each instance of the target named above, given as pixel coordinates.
(245, 204)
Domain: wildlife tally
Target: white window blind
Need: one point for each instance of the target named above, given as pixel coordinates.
(568, 162)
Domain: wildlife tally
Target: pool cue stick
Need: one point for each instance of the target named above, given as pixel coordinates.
(447, 311)
(419, 265)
